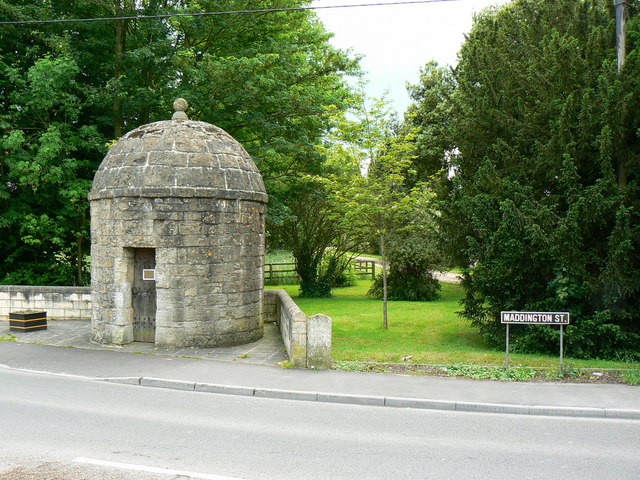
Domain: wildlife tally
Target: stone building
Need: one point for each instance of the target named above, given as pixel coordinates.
(177, 232)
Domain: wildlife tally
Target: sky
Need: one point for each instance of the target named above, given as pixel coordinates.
(397, 40)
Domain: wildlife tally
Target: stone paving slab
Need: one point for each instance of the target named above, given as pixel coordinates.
(76, 333)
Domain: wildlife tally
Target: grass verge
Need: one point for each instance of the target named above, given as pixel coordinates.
(8, 338)
(432, 334)
(632, 377)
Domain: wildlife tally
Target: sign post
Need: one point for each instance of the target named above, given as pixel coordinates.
(535, 318)
(561, 347)
(507, 350)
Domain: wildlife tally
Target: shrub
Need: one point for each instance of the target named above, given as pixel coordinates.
(403, 285)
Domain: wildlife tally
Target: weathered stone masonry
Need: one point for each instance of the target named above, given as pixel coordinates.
(306, 339)
(188, 193)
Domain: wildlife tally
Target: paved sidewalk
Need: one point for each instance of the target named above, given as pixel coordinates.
(237, 376)
(76, 333)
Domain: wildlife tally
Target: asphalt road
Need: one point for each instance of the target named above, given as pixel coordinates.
(97, 431)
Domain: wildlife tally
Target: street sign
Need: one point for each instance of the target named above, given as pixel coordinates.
(535, 318)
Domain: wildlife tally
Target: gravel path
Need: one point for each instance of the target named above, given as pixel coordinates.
(448, 277)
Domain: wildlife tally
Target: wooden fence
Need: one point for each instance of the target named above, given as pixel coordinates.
(274, 272)
(365, 268)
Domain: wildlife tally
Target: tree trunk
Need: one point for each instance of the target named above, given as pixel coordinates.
(307, 265)
(621, 40)
(308, 278)
(621, 14)
(385, 323)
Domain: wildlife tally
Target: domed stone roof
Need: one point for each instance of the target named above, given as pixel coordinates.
(178, 158)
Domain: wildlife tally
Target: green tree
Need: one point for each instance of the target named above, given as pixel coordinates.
(47, 161)
(379, 203)
(268, 79)
(534, 211)
(414, 254)
(429, 116)
(308, 227)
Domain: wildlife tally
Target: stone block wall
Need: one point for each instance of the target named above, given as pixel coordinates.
(271, 306)
(192, 193)
(60, 303)
(209, 268)
(307, 339)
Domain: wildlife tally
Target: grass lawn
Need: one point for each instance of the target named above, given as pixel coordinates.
(279, 256)
(430, 332)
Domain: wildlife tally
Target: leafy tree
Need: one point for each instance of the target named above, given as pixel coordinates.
(48, 158)
(268, 79)
(536, 210)
(429, 117)
(381, 203)
(414, 253)
(317, 240)
(273, 84)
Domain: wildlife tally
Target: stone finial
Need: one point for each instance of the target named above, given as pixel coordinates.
(180, 105)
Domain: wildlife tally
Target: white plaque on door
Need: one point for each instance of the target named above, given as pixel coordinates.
(148, 274)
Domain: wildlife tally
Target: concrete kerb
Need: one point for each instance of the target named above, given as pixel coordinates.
(351, 399)
(286, 394)
(381, 401)
(123, 380)
(225, 389)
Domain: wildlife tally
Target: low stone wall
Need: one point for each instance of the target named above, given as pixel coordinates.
(60, 303)
(307, 339)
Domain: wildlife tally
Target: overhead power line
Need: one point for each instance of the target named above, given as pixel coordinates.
(228, 12)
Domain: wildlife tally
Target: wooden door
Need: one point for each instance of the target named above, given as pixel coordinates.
(144, 295)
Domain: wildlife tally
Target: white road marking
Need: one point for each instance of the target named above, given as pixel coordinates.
(145, 468)
(43, 372)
